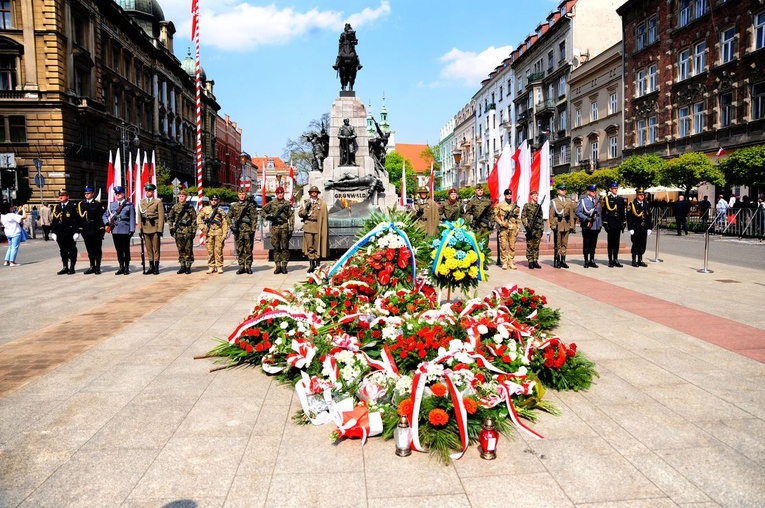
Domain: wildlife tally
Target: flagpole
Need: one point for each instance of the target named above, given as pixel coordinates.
(198, 81)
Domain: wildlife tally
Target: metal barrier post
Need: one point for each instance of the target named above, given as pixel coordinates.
(706, 245)
(657, 229)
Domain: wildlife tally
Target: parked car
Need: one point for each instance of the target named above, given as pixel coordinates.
(259, 199)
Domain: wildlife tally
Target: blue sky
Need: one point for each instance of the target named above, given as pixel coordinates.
(271, 62)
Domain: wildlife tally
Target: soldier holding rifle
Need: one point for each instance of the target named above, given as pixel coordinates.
(183, 227)
(119, 219)
(212, 221)
(479, 211)
(506, 215)
(242, 220)
(279, 213)
(534, 222)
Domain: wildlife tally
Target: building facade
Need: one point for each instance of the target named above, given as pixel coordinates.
(228, 148)
(694, 75)
(595, 97)
(465, 141)
(81, 78)
(447, 146)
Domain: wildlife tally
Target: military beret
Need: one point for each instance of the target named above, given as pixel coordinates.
(63, 192)
(508, 192)
(592, 188)
(119, 190)
(612, 185)
(314, 189)
(452, 190)
(561, 186)
(150, 186)
(281, 189)
(89, 189)
(534, 192)
(241, 189)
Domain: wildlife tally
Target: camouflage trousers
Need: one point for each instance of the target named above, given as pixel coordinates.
(185, 244)
(532, 245)
(507, 239)
(280, 240)
(560, 237)
(244, 243)
(215, 251)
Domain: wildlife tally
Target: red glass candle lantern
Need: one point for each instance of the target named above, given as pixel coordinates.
(487, 440)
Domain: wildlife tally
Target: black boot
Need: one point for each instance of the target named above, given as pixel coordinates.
(127, 268)
(641, 263)
(617, 264)
(71, 269)
(563, 262)
(537, 265)
(556, 261)
(90, 270)
(278, 268)
(188, 269)
(634, 260)
(241, 270)
(586, 260)
(248, 269)
(121, 270)
(97, 271)
(284, 268)
(311, 267)
(64, 270)
(156, 268)
(181, 270)
(531, 265)
(147, 271)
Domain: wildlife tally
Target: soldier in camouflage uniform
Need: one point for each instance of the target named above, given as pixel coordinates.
(452, 209)
(242, 220)
(279, 213)
(506, 215)
(479, 212)
(183, 227)
(214, 225)
(534, 222)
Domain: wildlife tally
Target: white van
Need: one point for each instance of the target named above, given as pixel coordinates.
(194, 201)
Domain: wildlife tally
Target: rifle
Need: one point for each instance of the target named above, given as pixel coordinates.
(482, 216)
(178, 222)
(273, 218)
(143, 253)
(235, 224)
(535, 218)
(307, 212)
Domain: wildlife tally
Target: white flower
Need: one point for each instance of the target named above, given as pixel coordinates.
(522, 371)
(482, 329)
(283, 325)
(497, 339)
(503, 331)
(404, 384)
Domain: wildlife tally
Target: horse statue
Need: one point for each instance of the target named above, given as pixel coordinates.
(347, 62)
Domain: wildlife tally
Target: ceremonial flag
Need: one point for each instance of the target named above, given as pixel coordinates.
(292, 185)
(720, 152)
(263, 185)
(110, 179)
(403, 185)
(154, 170)
(519, 182)
(540, 175)
(432, 180)
(117, 170)
(499, 178)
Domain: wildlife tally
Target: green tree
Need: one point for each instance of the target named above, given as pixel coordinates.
(689, 170)
(163, 174)
(604, 177)
(394, 162)
(576, 182)
(745, 167)
(641, 170)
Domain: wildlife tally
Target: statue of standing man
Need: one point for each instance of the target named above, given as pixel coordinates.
(348, 145)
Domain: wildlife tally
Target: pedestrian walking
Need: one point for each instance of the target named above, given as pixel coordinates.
(13, 228)
(279, 213)
(46, 217)
(91, 214)
(704, 206)
(722, 212)
(639, 223)
(64, 229)
(35, 214)
(589, 213)
(242, 220)
(682, 207)
(213, 223)
(562, 223)
(614, 220)
(119, 220)
(151, 213)
(315, 228)
(507, 216)
(183, 227)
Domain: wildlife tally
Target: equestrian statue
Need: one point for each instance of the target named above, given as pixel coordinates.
(347, 62)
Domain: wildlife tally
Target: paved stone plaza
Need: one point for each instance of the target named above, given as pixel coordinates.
(102, 403)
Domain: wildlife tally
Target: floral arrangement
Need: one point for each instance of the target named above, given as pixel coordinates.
(362, 359)
(459, 259)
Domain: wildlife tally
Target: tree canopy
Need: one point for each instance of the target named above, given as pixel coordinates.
(745, 167)
(689, 170)
(299, 150)
(394, 162)
(641, 170)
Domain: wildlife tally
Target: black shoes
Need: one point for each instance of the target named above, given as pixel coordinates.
(241, 270)
(592, 264)
(641, 263)
(181, 270)
(63, 271)
(618, 264)
(278, 268)
(248, 270)
(90, 270)
(563, 263)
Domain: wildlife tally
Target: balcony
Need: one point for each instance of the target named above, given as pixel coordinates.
(13, 94)
(536, 76)
(523, 117)
(546, 107)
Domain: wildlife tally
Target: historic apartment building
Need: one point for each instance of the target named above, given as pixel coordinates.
(595, 98)
(447, 146)
(464, 146)
(228, 148)
(694, 75)
(79, 78)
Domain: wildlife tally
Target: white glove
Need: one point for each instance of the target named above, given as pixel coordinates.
(648, 233)
(632, 231)
(53, 236)
(76, 236)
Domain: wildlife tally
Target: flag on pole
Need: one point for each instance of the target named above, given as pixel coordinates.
(403, 185)
(194, 16)
(499, 178)
(720, 152)
(292, 185)
(153, 169)
(432, 183)
(110, 179)
(540, 175)
(520, 180)
(198, 97)
(117, 169)
(263, 186)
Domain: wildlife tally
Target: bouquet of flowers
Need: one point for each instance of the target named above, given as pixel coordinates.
(459, 259)
(527, 306)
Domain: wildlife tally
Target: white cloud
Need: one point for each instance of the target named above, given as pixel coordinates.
(241, 26)
(432, 84)
(471, 68)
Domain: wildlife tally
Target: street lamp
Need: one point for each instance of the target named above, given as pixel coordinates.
(126, 131)
(244, 157)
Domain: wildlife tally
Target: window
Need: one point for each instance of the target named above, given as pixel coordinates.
(653, 30)
(7, 72)
(727, 45)
(685, 12)
(726, 109)
(562, 50)
(501, 89)
(640, 83)
(550, 64)
(563, 155)
(612, 147)
(612, 104)
(653, 78)
(701, 8)
(520, 84)
(17, 129)
(759, 31)
(684, 66)
(758, 101)
(641, 133)
(509, 87)
(593, 111)
(562, 86)
(640, 36)
(5, 15)
(698, 117)
(699, 58)
(578, 154)
(593, 151)
(578, 118)
(562, 121)
(551, 92)
(653, 129)
(684, 122)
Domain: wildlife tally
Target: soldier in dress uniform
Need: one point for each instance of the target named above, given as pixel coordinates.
(452, 209)
(534, 222)
(507, 216)
(65, 226)
(426, 212)
(315, 228)
(479, 212)
(614, 220)
(242, 220)
(563, 223)
(588, 210)
(279, 213)
(152, 215)
(214, 225)
(91, 213)
(119, 219)
(183, 226)
(640, 223)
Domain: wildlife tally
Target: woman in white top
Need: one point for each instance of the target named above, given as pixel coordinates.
(12, 226)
